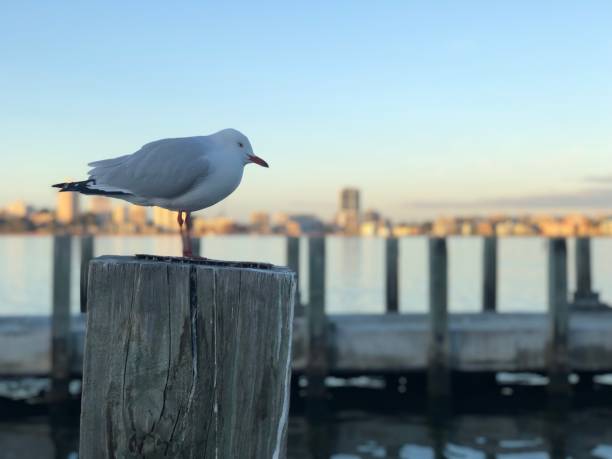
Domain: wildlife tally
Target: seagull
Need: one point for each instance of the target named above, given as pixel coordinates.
(182, 174)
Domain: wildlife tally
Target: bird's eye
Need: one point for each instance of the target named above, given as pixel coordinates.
(240, 144)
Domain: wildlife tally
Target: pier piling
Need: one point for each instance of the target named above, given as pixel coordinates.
(318, 363)
(60, 319)
(391, 275)
(87, 251)
(186, 359)
(293, 263)
(558, 310)
(584, 296)
(489, 274)
(438, 374)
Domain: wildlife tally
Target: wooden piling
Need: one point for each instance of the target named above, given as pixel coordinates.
(438, 375)
(186, 360)
(318, 364)
(87, 251)
(584, 296)
(583, 265)
(558, 310)
(60, 319)
(489, 274)
(196, 246)
(293, 262)
(391, 275)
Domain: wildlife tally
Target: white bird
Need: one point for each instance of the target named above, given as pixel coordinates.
(183, 174)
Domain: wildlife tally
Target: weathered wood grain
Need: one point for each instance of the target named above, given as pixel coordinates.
(60, 318)
(489, 274)
(185, 360)
(391, 275)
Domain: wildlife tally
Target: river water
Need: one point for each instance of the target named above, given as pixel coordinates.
(355, 284)
(355, 269)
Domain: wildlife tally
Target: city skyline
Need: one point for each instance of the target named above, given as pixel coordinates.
(434, 109)
(102, 217)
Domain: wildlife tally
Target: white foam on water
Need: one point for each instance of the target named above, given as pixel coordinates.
(602, 451)
(416, 452)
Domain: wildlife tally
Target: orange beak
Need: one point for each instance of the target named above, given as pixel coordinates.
(258, 160)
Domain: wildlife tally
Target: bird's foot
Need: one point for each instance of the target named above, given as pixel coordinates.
(191, 256)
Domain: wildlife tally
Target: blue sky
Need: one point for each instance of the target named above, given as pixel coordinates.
(429, 107)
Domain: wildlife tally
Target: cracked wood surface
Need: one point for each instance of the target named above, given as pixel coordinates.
(185, 360)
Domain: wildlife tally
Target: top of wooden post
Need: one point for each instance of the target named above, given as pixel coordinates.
(203, 263)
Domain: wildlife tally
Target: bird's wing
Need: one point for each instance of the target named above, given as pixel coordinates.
(162, 169)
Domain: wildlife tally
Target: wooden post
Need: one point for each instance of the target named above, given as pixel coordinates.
(87, 250)
(558, 310)
(391, 275)
(489, 274)
(293, 262)
(186, 359)
(196, 246)
(317, 367)
(584, 296)
(60, 319)
(438, 381)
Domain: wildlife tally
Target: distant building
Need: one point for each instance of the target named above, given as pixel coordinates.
(348, 217)
(120, 215)
(215, 225)
(18, 209)
(444, 226)
(100, 205)
(260, 222)
(373, 224)
(164, 219)
(298, 225)
(138, 216)
(67, 207)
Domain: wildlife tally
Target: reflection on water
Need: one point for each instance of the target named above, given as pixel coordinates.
(358, 435)
(355, 269)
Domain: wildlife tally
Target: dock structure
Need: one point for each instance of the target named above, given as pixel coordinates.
(186, 359)
(561, 341)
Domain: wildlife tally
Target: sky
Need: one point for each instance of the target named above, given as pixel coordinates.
(430, 108)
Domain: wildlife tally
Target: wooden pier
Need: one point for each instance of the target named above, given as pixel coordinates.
(569, 338)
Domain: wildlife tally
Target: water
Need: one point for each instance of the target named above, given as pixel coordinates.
(355, 434)
(355, 281)
(355, 269)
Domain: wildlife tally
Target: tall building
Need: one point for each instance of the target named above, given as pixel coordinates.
(120, 215)
(18, 209)
(67, 207)
(349, 218)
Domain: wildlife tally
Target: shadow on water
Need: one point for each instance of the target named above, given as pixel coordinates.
(369, 423)
(520, 424)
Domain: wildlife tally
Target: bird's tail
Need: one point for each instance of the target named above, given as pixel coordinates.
(87, 187)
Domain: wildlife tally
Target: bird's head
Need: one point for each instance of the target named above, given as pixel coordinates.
(237, 143)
